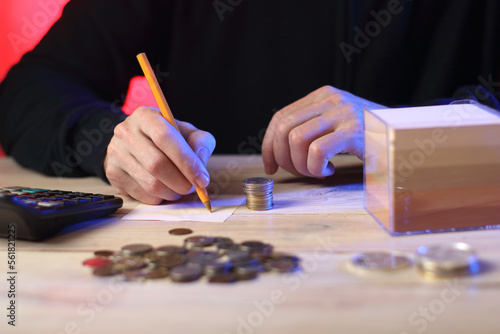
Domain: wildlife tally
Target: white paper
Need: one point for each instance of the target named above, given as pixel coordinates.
(188, 208)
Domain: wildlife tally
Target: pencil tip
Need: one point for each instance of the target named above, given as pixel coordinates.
(208, 206)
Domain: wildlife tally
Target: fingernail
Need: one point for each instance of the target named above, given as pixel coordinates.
(203, 155)
(202, 180)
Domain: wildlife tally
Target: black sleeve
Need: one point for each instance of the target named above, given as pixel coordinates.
(60, 103)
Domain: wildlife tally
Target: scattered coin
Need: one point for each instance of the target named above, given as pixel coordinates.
(108, 270)
(155, 272)
(447, 259)
(223, 278)
(198, 242)
(380, 261)
(180, 231)
(170, 249)
(136, 249)
(185, 274)
(259, 191)
(219, 259)
(104, 253)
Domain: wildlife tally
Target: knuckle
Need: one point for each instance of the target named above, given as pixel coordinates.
(121, 130)
(153, 186)
(296, 137)
(154, 164)
(317, 151)
(282, 128)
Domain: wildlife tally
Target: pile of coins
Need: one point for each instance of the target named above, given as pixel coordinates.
(440, 260)
(259, 192)
(219, 259)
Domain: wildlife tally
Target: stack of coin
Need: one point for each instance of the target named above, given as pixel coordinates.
(259, 191)
(444, 260)
(219, 259)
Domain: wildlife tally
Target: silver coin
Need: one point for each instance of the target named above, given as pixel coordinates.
(185, 274)
(259, 193)
(382, 261)
(198, 242)
(136, 249)
(170, 249)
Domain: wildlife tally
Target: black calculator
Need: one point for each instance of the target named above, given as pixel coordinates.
(36, 214)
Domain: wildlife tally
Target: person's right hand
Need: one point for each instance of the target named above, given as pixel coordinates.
(148, 159)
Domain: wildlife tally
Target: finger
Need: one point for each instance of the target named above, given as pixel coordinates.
(172, 143)
(130, 187)
(145, 186)
(275, 149)
(201, 142)
(145, 162)
(323, 149)
(282, 146)
(305, 134)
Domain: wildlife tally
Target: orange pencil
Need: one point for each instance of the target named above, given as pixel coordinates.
(166, 112)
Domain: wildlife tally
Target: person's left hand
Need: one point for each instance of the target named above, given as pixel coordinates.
(303, 136)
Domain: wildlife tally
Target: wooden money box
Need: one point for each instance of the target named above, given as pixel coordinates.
(430, 169)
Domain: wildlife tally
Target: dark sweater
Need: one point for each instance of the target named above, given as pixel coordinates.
(227, 66)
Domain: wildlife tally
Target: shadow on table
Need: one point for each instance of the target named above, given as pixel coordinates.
(344, 176)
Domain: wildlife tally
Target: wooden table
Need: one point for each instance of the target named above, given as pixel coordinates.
(56, 294)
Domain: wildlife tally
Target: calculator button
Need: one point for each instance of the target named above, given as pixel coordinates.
(34, 190)
(50, 204)
(96, 198)
(82, 200)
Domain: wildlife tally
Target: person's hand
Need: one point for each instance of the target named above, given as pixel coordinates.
(303, 136)
(148, 159)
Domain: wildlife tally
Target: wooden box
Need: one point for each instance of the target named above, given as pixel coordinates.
(430, 169)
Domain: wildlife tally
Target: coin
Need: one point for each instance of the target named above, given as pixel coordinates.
(257, 248)
(136, 249)
(382, 261)
(108, 270)
(217, 267)
(222, 241)
(283, 265)
(259, 193)
(198, 242)
(180, 231)
(223, 278)
(154, 273)
(185, 274)
(130, 263)
(220, 259)
(169, 261)
(104, 253)
(170, 249)
(447, 259)
(247, 272)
